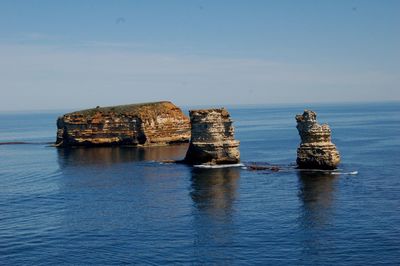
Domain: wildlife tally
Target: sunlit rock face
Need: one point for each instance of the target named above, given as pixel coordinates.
(316, 150)
(212, 138)
(136, 124)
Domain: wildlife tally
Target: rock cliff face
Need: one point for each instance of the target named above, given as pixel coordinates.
(136, 124)
(212, 140)
(316, 150)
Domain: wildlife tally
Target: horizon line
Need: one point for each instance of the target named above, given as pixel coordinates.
(192, 106)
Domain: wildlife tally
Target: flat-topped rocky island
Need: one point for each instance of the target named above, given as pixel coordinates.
(146, 124)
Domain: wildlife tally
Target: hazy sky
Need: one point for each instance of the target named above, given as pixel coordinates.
(75, 54)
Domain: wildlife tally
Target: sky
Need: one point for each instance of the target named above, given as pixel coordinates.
(81, 54)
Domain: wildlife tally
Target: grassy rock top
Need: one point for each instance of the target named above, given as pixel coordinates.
(126, 109)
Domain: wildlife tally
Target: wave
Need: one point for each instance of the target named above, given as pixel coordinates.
(218, 165)
(25, 143)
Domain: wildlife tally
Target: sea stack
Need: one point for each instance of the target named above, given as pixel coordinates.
(316, 150)
(154, 123)
(212, 138)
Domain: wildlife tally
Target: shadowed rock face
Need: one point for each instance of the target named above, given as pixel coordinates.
(137, 124)
(212, 140)
(316, 150)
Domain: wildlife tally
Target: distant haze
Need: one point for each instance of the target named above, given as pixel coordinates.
(77, 54)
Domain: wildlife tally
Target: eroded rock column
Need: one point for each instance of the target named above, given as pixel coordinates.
(212, 138)
(316, 150)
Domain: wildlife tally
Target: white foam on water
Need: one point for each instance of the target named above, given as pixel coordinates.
(353, 173)
(332, 172)
(218, 166)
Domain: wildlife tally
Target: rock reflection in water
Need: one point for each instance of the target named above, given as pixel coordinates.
(317, 196)
(213, 194)
(116, 190)
(113, 155)
(214, 190)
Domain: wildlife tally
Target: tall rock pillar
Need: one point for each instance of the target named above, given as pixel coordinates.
(316, 150)
(212, 138)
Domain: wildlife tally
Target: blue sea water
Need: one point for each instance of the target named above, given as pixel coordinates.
(108, 206)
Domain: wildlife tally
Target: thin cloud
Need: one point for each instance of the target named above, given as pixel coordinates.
(50, 77)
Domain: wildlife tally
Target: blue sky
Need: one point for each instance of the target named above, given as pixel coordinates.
(76, 54)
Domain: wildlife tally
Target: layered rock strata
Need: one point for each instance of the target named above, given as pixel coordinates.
(212, 141)
(316, 150)
(136, 124)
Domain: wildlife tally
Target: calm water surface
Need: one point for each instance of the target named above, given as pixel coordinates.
(119, 205)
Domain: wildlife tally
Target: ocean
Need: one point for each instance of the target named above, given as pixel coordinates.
(120, 205)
